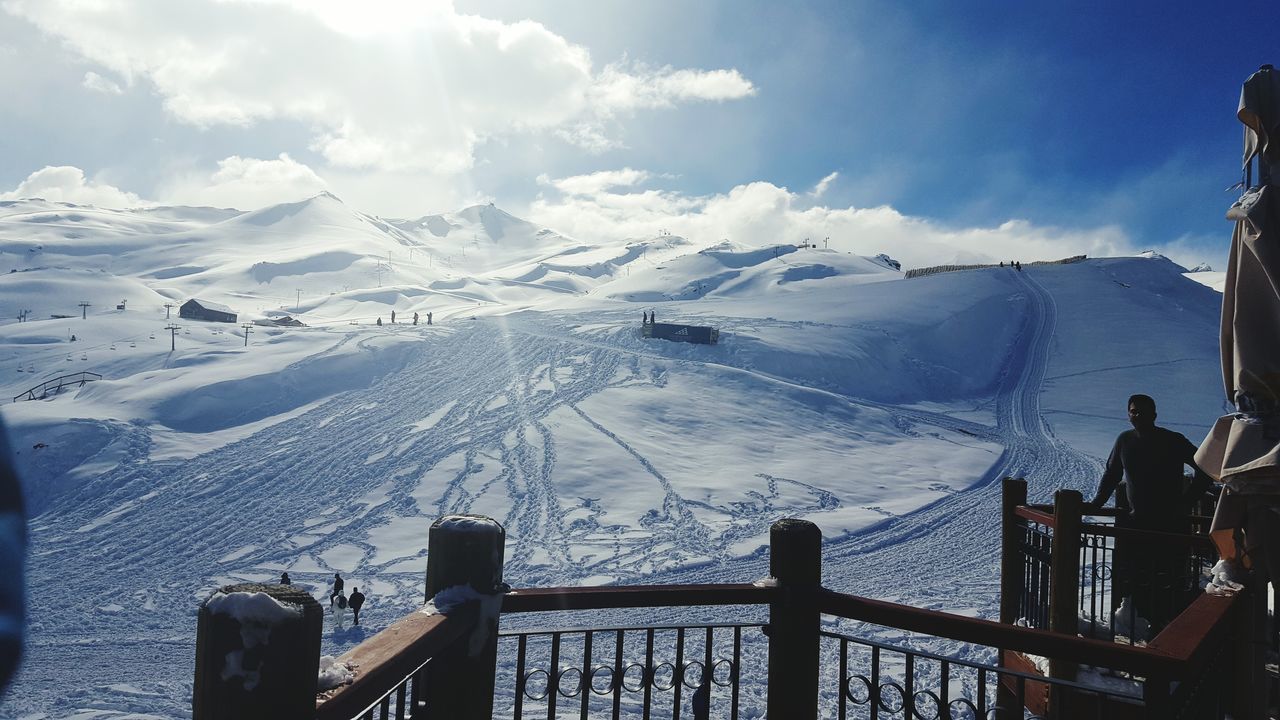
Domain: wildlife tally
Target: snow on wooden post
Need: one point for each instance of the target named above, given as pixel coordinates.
(795, 562)
(257, 654)
(464, 562)
(1064, 574)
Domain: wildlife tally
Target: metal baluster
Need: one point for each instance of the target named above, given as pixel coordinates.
(909, 687)
(707, 674)
(982, 693)
(585, 684)
(944, 691)
(617, 676)
(648, 672)
(400, 695)
(875, 682)
(736, 670)
(844, 675)
(415, 701)
(553, 677)
(677, 675)
(384, 708)
(520, 678)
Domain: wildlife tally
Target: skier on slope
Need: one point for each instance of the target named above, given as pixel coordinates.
(355, 603)
(337, 588)
(415, 318)
(393, 317)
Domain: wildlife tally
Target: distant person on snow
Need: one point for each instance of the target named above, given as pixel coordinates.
(379, 321)
(415, 318)
(340, 611)
(284, 579)
(337, 588)
(1001, 263)
(356, 601)
(393, 317)
(1150, 459)
(428, 318)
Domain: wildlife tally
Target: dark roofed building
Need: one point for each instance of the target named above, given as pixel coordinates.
(196, 309)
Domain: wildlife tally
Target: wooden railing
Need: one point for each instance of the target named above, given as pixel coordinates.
(56, 385)
(797, 648)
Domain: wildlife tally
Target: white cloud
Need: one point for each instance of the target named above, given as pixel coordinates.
(632, 86)
(821, 188)
(97, 83)
(388, 85)
(65, 183)
(596, 182)
(246, 184)
(761, 213)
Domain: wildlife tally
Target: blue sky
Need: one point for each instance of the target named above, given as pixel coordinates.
(1098, 127)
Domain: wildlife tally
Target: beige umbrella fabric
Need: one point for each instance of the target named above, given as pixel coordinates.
(1243, 449)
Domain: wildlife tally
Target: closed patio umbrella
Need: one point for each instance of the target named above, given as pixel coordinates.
(1243, 448)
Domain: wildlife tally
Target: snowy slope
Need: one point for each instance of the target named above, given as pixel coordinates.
(883, 409)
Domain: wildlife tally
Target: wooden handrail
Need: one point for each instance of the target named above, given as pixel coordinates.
(1149, 535)
(1185, 637)
(1036, 516)
(1170, 659)
(384, 661)
(601, 598)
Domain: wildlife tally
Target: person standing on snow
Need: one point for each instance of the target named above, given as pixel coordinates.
(337, 588)
(284, 579)
(340, 611)
(379, 321)
(428, 318)
(356, 601)
(415, 318)
(393, 317)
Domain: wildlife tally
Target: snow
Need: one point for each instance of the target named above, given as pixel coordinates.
(252, 608)
(883, 409)
(333, 673)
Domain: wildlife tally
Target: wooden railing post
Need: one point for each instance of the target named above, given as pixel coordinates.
(1249, 696)
(1013, 493)
(257, 654)
(1064, 588)
(795, 562)
(466, 551)
(1012, 569)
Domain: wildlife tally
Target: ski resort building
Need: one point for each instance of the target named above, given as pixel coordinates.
(700, 334)
(196, 309)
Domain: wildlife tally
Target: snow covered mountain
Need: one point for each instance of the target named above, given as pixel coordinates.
(881, 408)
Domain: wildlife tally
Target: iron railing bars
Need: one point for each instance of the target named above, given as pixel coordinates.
(642, 680)
(982, 671)
(525, 600)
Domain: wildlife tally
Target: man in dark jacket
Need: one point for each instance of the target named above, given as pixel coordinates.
(337, 588)
(354, 602)
(1150, 460)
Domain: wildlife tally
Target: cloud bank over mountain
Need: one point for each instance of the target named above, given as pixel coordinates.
(390, 86)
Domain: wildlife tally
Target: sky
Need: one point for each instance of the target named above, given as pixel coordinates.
(985, 129)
